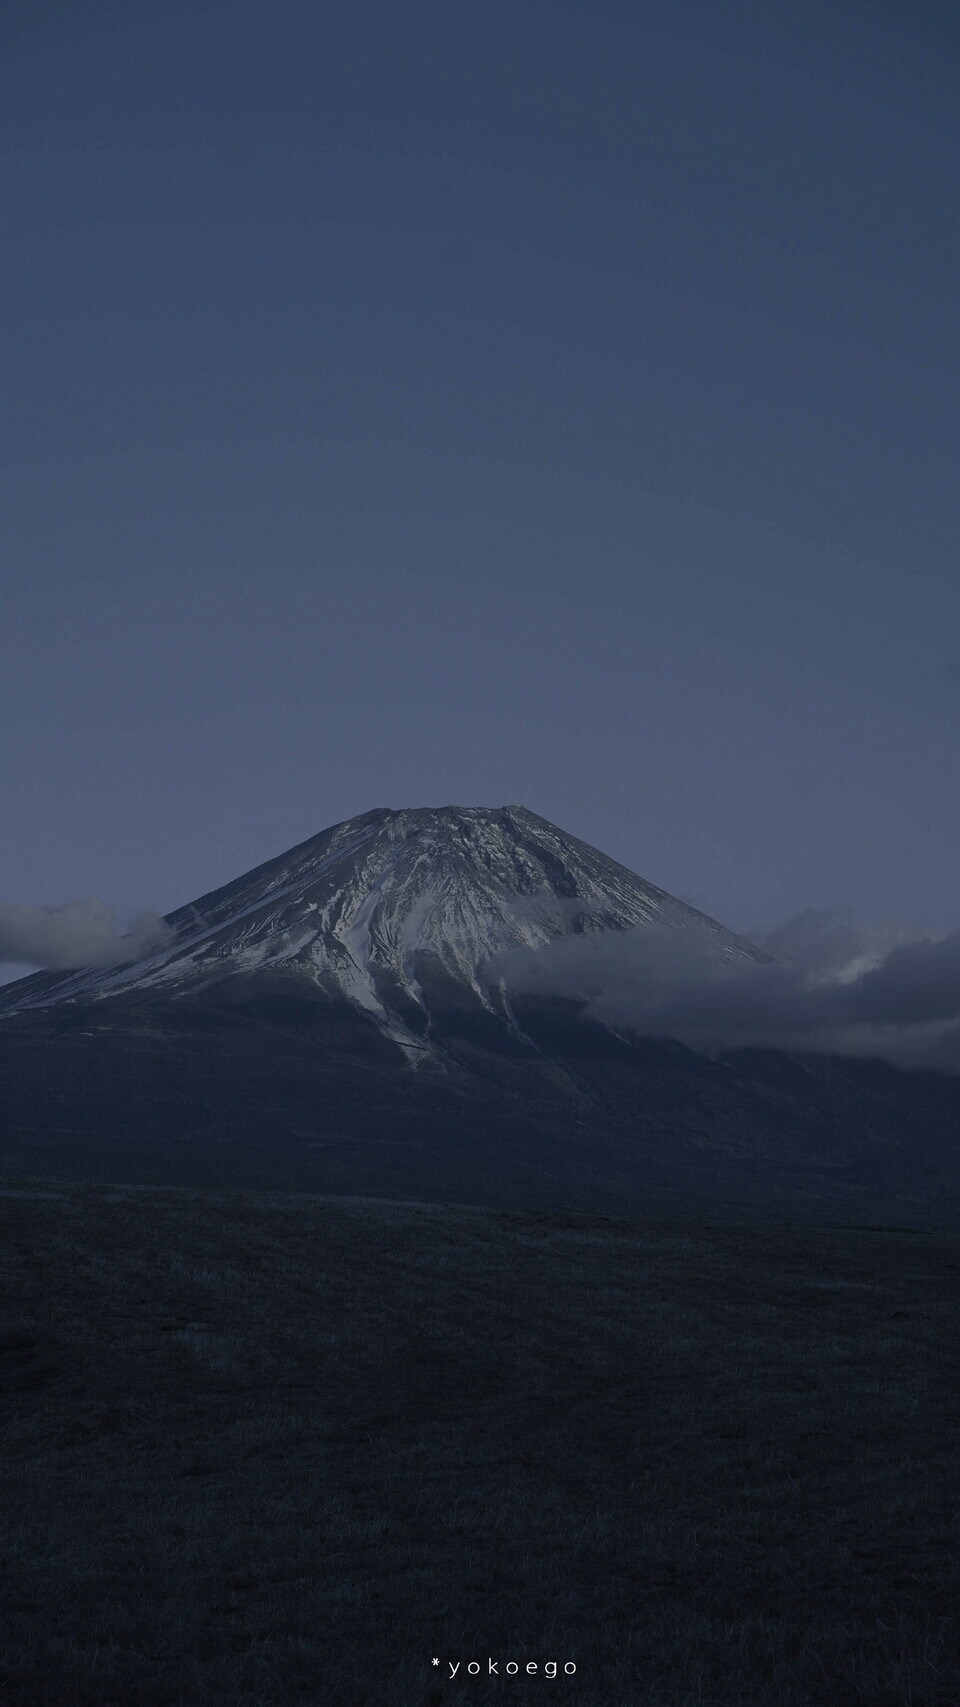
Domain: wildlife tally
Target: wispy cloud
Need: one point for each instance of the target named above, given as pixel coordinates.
(829, 985)
(82, 933)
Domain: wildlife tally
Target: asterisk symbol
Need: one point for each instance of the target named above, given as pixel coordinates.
(434, 1662)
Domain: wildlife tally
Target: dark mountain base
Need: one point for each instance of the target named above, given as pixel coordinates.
(273, 1092)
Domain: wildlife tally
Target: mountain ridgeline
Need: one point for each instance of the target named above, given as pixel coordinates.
(339, 1020)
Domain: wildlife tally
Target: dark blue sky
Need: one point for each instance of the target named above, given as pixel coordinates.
(429, 403)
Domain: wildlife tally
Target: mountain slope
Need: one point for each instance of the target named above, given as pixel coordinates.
(269, 1041)
(396, 913)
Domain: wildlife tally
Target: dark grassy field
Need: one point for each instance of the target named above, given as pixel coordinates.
(262, 1450)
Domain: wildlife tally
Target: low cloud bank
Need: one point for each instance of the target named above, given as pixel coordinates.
(828, 986)
(80, 934)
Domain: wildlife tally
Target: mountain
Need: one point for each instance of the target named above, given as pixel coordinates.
(398, 915)
(337, 1021)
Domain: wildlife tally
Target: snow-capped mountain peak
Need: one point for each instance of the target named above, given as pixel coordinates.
(393, 912)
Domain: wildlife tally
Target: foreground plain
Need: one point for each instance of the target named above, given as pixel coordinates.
(267, 1449)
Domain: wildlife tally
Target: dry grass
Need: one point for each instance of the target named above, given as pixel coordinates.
(262, 1450)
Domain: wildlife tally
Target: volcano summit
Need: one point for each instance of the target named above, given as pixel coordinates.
(339, 1021)
(402, 916)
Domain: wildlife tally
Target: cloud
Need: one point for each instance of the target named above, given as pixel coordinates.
(819, 983)
(82, 933)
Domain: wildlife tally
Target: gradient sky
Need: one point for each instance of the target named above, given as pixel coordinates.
(432, 403)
